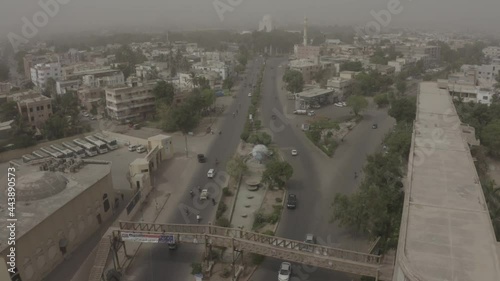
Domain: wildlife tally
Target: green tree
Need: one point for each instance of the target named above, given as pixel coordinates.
(377, 205)
(401, 86)
(351, 66)
(4, 71)
(50, 88)
(55, 127)
(236, 166)
(490, 136)
(8, 111)
(294, 80)
(357, 103)
(403, 109)
(228, 83)
(164, 92)
(277, 173)
(381, 99)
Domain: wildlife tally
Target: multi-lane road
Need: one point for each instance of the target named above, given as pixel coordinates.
(316, 178)
(157, 263)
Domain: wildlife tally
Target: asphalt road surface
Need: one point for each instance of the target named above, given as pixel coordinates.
(316, 178)
(160, 264)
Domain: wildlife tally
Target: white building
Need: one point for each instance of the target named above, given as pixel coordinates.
(108, 79)
(266, 24)
(63, 87)
(466, 86)
(400, 64)
(221, 68)
(485, 72)
(492, 52)
(341, 86)
(40, 73)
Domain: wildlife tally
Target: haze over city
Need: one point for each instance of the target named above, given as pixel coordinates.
(127, 15)
(230, 140)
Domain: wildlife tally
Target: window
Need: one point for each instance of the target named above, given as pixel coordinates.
(31, 109)
(48, 106)
(32, 118)
(485, 97)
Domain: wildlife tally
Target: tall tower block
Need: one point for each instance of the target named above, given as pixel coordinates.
(305, 31)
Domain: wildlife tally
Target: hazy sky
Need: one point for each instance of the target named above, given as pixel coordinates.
(98, 14)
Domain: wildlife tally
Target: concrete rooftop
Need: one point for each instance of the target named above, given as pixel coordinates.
(48, 192)
(446, 230)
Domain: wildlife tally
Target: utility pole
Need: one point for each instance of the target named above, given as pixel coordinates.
(186, 141)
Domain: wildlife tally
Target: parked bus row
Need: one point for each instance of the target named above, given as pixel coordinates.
(88, 147)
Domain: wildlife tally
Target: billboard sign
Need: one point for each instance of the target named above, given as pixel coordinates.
(146, 238)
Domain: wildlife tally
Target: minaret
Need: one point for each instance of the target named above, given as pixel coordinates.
(305, 31)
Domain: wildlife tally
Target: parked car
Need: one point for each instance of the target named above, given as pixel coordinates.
(310, 239)
(292, 201)
(249, 94)
(202, 158)
(204, 194)
(374, 126)
(140, 149)
(211, 173)
(132, 147)
(295, 152)
(285, 271)
(311, 113)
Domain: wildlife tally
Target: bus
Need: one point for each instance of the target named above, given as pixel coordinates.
(40, 154)
(101, 146)
(80, 152)
(90, 149)
(67, 152)
(52, 152)
(110, 142)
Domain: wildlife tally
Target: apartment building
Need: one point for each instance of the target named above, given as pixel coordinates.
(485, 72)
(401, 64)
(492, 52)
(307, 67)
(434, 52)
(30, 60)
(33, 106)
(306, 52)
(220, 67)
(90, 97)
(341, 86)
(467, 87)
(40, 73)
(67, 86)
(5, 87)
(108, 78)
(132, 101)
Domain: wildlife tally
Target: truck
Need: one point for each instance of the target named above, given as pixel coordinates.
(300, 112)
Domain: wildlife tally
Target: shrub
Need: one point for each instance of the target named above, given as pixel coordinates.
(223, 222)
(226, 272)
(257, 259)
(278, 200)
(244, 135)
(196, 268)
(227, 192)
(268, 232)
(220, 209)
(253, 139)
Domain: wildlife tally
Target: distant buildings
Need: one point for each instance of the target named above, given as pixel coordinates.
(266, 24)
(90, 97)
(30, 60)
(307, 67)
(492, 52)
(40, 73)
(467, 87)
(341, 86)
(33, 107)
(416, 50)
(486, 72)
(220, 67)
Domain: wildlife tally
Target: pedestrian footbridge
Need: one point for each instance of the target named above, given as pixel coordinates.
(250, 242)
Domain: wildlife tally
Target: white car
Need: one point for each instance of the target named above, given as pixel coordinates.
(249, 94)
(294, 152)
(211, 173)
(132, 147)
(285, 271)
(140, 149)
(339, 104)
(204, 194)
